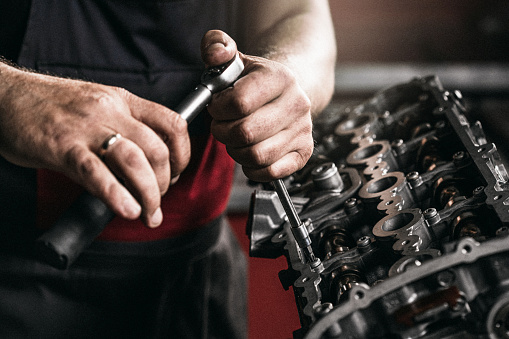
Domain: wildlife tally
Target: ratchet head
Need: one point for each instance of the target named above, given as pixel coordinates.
(220, 77)
(213, 80)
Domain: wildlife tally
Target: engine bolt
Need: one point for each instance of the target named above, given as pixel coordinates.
(352, 206)
(364, 244)
(479, 190)
(327, 177)
(351, 202)
(364, 241)
(445, 278)
(414, 179)
(459, 158)
(430, 213)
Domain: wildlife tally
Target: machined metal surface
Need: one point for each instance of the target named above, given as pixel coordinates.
(405, 202)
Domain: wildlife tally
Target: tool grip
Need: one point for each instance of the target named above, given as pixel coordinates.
(74, 231)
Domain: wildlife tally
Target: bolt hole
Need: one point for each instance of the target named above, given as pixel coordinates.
(359, 295)
(466, 249)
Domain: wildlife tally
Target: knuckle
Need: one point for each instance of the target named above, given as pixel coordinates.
(245, 135)
(103, 98)
(133, 157)
(107, 190)
(275, 172)
(99, 98)
(259, 156)
(152, 197)
(302, 104)
(180, 126)
(158, 154)
(242, 104)
(81, 161)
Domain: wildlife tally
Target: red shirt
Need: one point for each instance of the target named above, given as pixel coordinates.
(199, 196)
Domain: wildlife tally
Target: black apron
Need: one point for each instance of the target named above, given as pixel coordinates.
(191, 287)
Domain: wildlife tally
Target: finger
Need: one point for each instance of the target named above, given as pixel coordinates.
(284, 167)
(88, 170)
(269, 159)
(154, 150)
(261, 84)
(291, 110)
(128, 161)
(249, 130)
(170, 127)
(269, 151)
(217, 48)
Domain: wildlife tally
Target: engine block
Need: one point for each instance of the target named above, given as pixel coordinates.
(406, 204)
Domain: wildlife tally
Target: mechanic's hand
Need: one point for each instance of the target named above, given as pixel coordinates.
(264, 119)
(61, 124)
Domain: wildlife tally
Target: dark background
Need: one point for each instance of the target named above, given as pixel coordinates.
(421, 31)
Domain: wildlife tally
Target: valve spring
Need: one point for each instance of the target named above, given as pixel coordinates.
(344, 278)
(336, 240)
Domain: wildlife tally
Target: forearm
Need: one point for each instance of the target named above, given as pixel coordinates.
(8, 78)
(298, 34)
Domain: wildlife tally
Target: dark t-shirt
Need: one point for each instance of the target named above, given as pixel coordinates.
(13, 22)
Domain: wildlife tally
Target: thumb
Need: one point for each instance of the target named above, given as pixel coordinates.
(217, 48)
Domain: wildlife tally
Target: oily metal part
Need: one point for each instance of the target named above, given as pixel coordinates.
(405, 203)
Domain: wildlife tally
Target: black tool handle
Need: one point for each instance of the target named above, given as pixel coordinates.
(74, 231)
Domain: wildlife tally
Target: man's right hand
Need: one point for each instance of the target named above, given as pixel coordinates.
(61, 124)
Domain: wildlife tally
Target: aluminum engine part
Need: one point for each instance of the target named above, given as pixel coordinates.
(406, 204)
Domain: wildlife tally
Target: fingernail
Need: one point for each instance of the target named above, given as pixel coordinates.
(215, 45)
(174, 180)
(156, 219)
(132, 208)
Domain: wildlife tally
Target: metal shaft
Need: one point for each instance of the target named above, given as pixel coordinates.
(299, 229)
(284, 197)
